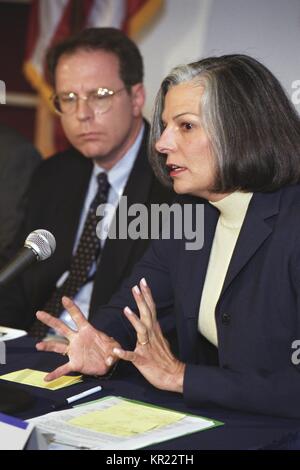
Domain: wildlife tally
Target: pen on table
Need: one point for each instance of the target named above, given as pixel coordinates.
(70, 400)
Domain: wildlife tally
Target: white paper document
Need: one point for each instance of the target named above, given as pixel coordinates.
(115, 423)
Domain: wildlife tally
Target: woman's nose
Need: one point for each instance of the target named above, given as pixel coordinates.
(166, 142)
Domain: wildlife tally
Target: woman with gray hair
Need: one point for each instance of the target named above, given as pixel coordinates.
(224, 135)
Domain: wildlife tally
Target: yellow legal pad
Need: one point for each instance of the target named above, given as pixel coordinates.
(126, 419)
(35, 378)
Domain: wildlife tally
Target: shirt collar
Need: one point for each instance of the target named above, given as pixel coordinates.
(118, 174)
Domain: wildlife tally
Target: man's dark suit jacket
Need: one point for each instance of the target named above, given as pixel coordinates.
(56, 199)
(18, 160)
(257, 314)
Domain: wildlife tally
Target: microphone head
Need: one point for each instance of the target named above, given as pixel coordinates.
(42, 243)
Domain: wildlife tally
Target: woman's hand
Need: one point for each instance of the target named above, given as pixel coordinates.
(89, 350)
(152, 355)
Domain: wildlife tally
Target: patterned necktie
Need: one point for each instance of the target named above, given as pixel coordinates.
(81, 263)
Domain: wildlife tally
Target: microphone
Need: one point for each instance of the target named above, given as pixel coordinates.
(38, 246)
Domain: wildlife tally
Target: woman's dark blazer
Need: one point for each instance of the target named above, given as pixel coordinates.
(257, 314)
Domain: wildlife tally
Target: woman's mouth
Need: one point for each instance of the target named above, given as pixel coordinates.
(175, 170)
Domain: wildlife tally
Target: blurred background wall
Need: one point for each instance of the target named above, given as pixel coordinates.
(184, 30)
(269, 30)
(19, 111)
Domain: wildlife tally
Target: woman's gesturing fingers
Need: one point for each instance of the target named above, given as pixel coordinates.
(147, 312)
(53, 346)
(75, 312)
(129, 356)
(54, 323)
(59, 372)
(145, 289)
(140, 328)
(145, 303)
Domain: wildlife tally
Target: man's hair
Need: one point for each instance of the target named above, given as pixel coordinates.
(110, 40)
(253, 128)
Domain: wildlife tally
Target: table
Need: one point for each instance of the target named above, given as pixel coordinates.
(241, 430)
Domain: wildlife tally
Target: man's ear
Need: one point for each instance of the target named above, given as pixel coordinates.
(138, 98)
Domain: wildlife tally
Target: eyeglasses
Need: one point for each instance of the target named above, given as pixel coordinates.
(99, 100)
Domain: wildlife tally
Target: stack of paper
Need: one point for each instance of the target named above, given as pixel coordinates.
(35, 378)
(117, 423)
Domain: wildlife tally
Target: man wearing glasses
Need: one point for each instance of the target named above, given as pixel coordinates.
(97, 77)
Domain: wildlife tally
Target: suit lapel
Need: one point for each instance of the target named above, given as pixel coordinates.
(70, 202)
(66, 190)
(195, 264)
(254, 232)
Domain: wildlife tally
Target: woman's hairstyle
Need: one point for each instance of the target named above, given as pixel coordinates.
(253, 128)
(111, 40)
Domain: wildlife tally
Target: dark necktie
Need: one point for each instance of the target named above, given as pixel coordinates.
(81, 263)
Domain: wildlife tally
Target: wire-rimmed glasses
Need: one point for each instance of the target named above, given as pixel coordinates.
(99, 100)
